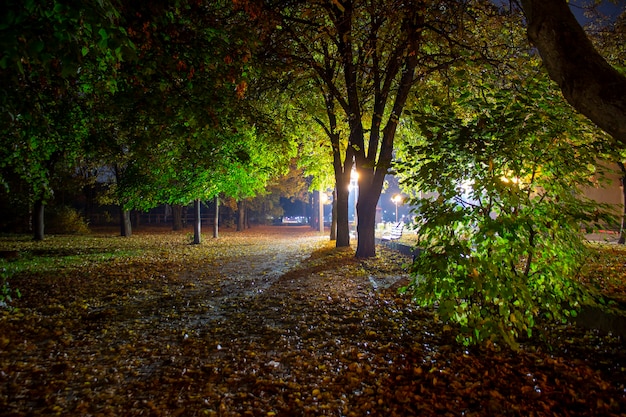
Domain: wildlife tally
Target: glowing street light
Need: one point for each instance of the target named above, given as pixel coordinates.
(396, 199)
(354, 186)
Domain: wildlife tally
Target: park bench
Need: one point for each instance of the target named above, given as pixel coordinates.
(395, 233)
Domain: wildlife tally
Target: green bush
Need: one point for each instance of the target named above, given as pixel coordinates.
(65, 220)
(501, 231)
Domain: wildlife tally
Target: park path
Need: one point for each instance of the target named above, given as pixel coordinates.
(240, 266)
(262, 255)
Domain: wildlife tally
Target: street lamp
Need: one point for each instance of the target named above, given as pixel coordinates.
(354, 186)
(396, 199)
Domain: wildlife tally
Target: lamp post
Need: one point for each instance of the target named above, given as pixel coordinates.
(354, 186)
(396, 199)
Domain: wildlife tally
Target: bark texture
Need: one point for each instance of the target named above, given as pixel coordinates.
(126, 228)
(341, 205)
(177, 217)
(197, 223)
(241, 215)
(588, 82)
(366, 226)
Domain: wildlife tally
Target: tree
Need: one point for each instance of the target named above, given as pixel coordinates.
(366, 57)
(316, 139)
(303, 115)
(588, 82)
(292, 185)
(173, 124)
(622, 229)
(233, 160)
(52, 53)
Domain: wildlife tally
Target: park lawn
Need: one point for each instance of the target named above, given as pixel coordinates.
(154, 326)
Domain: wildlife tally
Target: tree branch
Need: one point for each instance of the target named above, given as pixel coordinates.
(588, 82)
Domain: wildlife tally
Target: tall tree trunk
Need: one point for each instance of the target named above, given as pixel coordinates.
(197, 220)
(343, 225)
(333, 220)
(241, 215)
(340, 229)
(38, 219)
(622, 229)
(126, 228)
(366, 226)
(177, 217)
(314, 221)
(216, 219)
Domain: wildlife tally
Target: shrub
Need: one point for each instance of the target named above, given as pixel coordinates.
(500, 232)
(65, 220)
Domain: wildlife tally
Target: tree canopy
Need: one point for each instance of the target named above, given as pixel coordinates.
(141, 95)
(365, 58)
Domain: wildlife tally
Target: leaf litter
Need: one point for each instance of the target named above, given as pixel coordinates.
(269, 322)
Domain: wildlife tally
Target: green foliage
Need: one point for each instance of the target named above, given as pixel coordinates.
(66, 220)
(179, 127)
(54, 55)
(500, 228)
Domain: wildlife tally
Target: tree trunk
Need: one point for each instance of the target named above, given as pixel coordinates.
(340, 228)
(366, 209)
(38, 219)
(315, 212)
(197, 220)
(126, 228)
(177, 217)
(241, 215)
(343, 225)
(589, 83)
(622, 229)
(333, 220)
(216, 219)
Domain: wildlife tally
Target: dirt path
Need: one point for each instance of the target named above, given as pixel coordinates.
(237, 267)
(256, 261)
(263, 254)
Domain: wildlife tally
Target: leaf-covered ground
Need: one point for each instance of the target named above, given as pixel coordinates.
(269, 322)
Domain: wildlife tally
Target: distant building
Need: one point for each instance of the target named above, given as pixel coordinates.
(609, 190)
